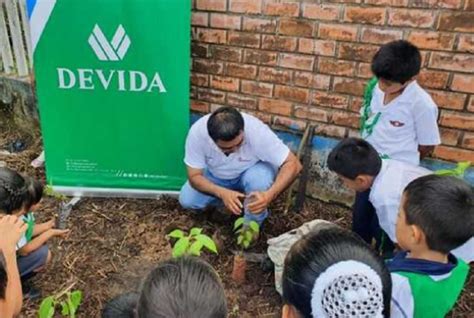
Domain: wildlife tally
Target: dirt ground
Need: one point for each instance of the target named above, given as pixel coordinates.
(114, 242)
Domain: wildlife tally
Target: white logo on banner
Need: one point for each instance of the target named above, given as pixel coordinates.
(114, 50)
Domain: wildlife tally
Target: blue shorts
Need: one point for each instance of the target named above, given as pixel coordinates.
(29, 263)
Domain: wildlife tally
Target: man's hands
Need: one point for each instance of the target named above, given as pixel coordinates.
(232, 200)
(259, 201)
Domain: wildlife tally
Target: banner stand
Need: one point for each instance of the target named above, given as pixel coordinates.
(113, 193)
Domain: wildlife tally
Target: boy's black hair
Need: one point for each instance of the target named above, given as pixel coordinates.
(225, 124)
(353, 157)
(182, 287)
(122, 306)
(315, 253)
(13, 191)
(35, 192)
(3, 276)
(443, 207)
(396, 61)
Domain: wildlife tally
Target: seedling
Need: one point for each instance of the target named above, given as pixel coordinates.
(48, 190)
(68, 301)
(246, 234)
(459, 171)
(191, 244)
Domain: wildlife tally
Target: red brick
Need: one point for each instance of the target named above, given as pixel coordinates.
(457, 120)
(336, 67)
(329, 100)
(355, 104)
(320, 47)
(433, 79)
(326, 12)
(289, 123)
(296, 27)
(211, 5)
(199, 106)
(259, 25)
(453, 154)
(357, 52)
(193, 92)
(200, 79)
(311, 113)
(452, 62)
(225, 21)
(300, 62)
(463, 83)
(469, 5)
(199, 49)
(448, 100)
(227, 53)
(241, 70)
(364, 70)
(433, 4)
(346, 119)
(338, 32)
(266, 118)
(330, 130)
(244, 39)
(246, 6)
(349, 86)
(278, 43)
(208, 66)
(210, 95)
(258, 89)
(312, 80)
(200, 19)
(466, 43)
(294, 94)
(449, 137)
(210, 35)
(432, 40)
(225, 83)
(282, 9)
(273, 75)
(391, 3)
(456, 21)
(411, 18)
(241, 101)
(275, 106)
(468, 141)
(260, 57)
(380, 36)
(346, 1)
(215, 107)
(370, 15)
(470, 106)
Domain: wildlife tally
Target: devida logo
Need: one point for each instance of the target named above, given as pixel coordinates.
(109, 51)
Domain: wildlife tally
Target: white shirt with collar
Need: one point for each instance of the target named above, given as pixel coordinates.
(260, 144)
(406, 122)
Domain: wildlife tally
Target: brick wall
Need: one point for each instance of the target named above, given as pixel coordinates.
(293, 62)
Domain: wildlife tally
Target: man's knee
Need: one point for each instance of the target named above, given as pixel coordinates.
(189, 198)
(259, 177)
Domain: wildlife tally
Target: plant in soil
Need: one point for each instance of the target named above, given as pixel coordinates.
(64, 208)
(68, 302)
(247, 232)
(191, 244)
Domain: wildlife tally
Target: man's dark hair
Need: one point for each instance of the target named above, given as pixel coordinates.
(353, 157)
(182, 287)
(397, 61)
(443, 207)
(225, 124)
(122, 306)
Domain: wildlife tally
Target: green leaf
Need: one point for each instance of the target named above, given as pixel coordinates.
(176, 234)
(195, 248)
(76, 299)
(240, 239)
(254, 226)
(46, 309)
(207, 242)
(248, 236)
(181, 247)
(238, 223)
(195, 231)
(246, 244)
(64, 308)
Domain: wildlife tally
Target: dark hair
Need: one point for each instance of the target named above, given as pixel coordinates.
(35, 192)
(353, 157)
(122, 306)
(225, 124)
(13, 191)
(443, 207)
(397, 61)
(3, 276)
(315, 253)
(183, 287)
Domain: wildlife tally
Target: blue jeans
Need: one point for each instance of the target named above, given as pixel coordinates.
(259, 177)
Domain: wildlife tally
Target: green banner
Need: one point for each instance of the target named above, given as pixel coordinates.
(112, 81)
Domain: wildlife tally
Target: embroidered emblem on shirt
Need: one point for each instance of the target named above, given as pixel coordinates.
(396, 123)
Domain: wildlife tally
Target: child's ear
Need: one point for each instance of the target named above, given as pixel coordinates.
(288, 312)
(417, 234)
(363, 181)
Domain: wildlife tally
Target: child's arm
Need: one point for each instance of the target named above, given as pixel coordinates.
(43, 227)
(425, 151)
(39, 241)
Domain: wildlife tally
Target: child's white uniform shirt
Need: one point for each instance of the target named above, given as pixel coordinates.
(406, 122)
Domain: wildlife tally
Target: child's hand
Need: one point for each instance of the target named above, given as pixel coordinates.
(50, 224)
(60, 233)
(12, 228)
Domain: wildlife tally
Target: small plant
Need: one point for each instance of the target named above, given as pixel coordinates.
(48, 190)
(247, 232)
(191, 244)
(69, 302)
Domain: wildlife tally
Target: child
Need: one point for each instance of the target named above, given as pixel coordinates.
(182, 287)
(359, 166)
(333, 273)
(398, 117)
(436, 216)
